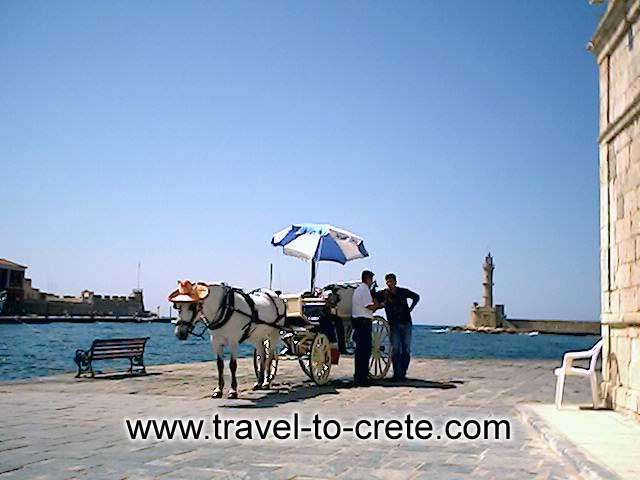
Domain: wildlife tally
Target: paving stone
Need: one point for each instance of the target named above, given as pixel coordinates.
(61, 427)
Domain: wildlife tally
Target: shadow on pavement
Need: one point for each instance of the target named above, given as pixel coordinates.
(281, 394)
(118, 375)
(298, 392)
(416, 383)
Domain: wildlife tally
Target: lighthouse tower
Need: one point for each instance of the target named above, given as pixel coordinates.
(488, 315)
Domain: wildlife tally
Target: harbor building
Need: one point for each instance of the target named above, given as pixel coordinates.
(23, 299)
(12, 282)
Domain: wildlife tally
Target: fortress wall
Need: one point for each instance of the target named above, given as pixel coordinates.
(567, 327)
(48, 304)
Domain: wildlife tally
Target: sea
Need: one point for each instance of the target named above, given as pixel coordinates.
(28, 350)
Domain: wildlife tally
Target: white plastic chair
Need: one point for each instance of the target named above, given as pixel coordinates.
(567, 369)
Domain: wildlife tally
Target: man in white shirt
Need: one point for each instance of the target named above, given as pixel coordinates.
(362, 308)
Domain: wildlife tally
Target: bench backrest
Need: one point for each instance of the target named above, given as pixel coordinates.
(117, 348)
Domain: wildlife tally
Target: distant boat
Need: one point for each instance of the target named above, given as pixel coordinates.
(533, 334)
(440, 330)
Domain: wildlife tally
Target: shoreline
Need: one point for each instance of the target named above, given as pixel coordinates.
(287, 366)
(36, 351)
(47, 319)
(110, 371)
(516, 331)
(61, 319)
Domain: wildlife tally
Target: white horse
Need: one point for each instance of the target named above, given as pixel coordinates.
(232, 317)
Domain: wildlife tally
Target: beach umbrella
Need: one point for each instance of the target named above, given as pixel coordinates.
(319, 242)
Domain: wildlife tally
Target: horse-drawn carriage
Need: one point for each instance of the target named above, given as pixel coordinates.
(307, 333)
(301, 327)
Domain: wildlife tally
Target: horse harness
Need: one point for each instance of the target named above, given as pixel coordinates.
(228, 307)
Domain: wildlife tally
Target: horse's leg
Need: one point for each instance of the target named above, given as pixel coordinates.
(233, 366)
(261, 352)
(217, 392)
(270, 352)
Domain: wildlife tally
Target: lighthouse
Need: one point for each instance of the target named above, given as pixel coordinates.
(487, 315)
(488, 268)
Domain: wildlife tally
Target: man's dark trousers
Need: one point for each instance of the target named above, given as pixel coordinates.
(362, 337)
(333, 327)
(401, 348)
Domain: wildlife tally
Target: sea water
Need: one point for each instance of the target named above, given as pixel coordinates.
(39, 350)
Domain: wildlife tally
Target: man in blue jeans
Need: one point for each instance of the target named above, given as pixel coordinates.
(396, 305)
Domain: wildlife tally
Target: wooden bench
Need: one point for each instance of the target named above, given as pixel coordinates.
(111, 349)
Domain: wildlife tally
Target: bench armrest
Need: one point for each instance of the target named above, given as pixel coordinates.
(569, 357)
(575, 355)
(82, 357)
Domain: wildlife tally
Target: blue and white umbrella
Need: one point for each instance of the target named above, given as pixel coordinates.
(318, 242)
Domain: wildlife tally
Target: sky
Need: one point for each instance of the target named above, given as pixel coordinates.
(182, 135)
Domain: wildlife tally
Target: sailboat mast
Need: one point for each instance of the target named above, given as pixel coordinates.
(271, 276)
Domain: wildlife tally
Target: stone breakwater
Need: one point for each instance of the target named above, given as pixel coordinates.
(61, 427)
(554, 327)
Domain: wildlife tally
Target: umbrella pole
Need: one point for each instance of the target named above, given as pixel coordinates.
(313, 275)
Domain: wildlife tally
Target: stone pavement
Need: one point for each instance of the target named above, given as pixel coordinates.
(61, 427)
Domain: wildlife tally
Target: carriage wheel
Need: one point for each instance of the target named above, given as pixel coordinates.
(257, 361)
(320, 359)
(380, 361)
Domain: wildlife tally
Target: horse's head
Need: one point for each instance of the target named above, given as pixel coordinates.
(188, 300)
(331, 295)
(339, 298)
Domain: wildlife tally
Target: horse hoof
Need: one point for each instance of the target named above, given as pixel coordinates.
(257, 386)
(266, 386)
(233, 394)
(216, 394)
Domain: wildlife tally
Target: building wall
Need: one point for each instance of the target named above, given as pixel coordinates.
(617, 50)
(11, 280)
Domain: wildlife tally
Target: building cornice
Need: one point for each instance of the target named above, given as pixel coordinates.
(613, 26)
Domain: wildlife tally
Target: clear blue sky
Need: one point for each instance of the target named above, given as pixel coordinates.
(183, 134)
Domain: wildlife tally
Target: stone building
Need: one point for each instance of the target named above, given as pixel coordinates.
(11, 282)
(23, 299)
(617, 51)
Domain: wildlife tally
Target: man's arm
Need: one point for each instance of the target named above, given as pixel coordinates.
(375, 306)
(378, 298)
(415, 298)
(378, 301)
